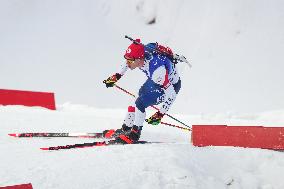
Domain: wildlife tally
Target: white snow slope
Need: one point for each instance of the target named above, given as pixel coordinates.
(174, 163)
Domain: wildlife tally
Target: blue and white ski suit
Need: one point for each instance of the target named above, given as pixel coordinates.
(162, 86)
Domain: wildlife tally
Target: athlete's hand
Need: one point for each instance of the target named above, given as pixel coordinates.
(109, 82)
(155, 119)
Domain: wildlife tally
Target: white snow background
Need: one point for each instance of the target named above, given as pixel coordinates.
(69, 47)
(175, 163)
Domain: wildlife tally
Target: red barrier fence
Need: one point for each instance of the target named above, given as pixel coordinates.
(22, 186)
(238, 136)
(27, 98)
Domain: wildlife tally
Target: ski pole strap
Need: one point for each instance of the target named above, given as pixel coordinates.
(152, 106)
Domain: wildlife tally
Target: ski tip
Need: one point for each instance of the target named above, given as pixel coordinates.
(44, 148)
(13, 135)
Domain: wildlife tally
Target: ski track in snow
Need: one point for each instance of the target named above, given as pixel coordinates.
(175, 163)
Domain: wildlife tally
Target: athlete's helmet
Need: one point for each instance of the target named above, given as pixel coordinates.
(135, 51)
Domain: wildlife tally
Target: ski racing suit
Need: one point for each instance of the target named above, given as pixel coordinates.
(162, 86)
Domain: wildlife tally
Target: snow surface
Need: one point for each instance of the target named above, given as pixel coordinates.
(174, 163)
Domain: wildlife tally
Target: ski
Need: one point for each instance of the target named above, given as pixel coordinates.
(80, 135)
(109, 134)
(87, 145)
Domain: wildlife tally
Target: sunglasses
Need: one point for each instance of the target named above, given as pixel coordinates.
(130, 60)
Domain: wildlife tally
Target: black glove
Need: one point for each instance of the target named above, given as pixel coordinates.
(112, 80)
(155, 119)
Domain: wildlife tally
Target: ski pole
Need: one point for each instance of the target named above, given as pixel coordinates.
(171, 125)
(151, 106)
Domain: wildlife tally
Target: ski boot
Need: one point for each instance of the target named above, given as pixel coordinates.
(115, 133)
(130, 137)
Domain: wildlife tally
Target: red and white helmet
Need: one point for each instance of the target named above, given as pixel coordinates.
(135, 51)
